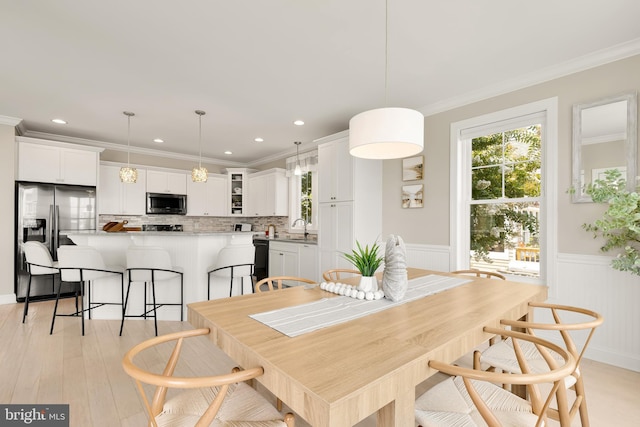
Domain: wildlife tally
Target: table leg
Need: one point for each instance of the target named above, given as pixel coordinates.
(400, 412)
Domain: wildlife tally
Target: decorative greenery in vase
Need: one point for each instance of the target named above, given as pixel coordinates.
(365, 260)
(620, 223)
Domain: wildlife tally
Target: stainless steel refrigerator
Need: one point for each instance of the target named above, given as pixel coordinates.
(48, 213)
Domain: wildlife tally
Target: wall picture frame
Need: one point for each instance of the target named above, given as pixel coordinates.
(412, 196)
(412, 168)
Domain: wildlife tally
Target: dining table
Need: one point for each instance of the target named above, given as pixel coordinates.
(338, 375)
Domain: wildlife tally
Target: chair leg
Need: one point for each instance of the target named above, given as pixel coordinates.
(88, 298)
(181, 298)
(584, 414)
(208, 286)
(82, 305)
(26, 300)
(55, 307)
(155, 314)
(144, 314)
(124, 305)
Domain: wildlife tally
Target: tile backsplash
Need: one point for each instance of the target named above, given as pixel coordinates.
(201, 223)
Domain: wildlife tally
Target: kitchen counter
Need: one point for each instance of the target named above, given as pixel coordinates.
(301, 240)
(194, 252)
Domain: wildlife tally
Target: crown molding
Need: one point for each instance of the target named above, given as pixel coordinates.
(582, 63)
(10, 121)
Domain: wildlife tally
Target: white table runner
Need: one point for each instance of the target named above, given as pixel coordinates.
(300, 319)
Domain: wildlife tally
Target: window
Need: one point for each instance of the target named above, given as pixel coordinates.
(301, 188)
(503, 184)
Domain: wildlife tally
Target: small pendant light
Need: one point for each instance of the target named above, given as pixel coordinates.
(128, 174)
(199, 174)
(297, 171)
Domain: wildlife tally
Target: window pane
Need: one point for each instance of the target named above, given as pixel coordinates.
(486, 183)
(505, 237)
(487, 150)
(306, 201)
(522, 180)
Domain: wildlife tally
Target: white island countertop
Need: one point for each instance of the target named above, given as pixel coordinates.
(194, 252)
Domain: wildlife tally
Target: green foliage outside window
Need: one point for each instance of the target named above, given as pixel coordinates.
(505, 166)
(306, 200)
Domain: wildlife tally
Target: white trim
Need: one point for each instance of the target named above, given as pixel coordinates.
(10, 121)
(8, 299)
(58, 144)
(591, 60)
(460, 210)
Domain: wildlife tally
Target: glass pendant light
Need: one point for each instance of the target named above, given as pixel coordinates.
(297, 171)
(386, 133)
(128, 174)
(199, 174)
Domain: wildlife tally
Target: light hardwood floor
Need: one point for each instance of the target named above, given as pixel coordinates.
(85, 372)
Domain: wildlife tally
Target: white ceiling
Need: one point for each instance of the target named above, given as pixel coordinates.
(255, 66)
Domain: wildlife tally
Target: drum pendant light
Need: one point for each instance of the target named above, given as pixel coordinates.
(199, 174)
(386, 133)
(128, 174)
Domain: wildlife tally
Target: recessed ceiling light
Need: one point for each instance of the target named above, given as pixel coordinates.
(59, 121)
(158, 140)
(228, 152)
(298, 123)
(258, 139)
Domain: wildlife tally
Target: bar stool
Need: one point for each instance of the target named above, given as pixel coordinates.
(233, 261)
(151, 265)
(84, 264)
(39, 263)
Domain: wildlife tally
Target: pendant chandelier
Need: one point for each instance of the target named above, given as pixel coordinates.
(297, 171)
(128, 174)
(199, 174)
(386, 133)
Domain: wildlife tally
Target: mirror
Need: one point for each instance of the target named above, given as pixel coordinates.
(604, 137)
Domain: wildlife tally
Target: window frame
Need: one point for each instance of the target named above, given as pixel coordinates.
(460, 181)
(294, 203)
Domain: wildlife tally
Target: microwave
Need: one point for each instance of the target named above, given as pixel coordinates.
(167, 204)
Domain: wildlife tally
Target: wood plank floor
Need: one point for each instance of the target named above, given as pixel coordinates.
(85, 372)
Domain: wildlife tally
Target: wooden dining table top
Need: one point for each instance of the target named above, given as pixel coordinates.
(339, 375)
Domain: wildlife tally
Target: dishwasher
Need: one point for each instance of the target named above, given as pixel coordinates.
(261, 261)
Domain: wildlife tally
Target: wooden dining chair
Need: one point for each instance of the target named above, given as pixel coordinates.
(480, 273)
(218, 399)
(502, 355)
(336, 274)
(471, 397)
(278, 282)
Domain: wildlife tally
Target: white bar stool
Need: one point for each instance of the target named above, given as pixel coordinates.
(84, 264)
(39, 263)
(151, 265)
(233, 261)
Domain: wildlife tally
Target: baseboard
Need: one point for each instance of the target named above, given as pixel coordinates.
(8, 299)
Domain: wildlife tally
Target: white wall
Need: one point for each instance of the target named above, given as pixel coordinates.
(7, 190)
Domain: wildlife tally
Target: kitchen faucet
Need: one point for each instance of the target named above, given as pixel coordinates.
(305, 226)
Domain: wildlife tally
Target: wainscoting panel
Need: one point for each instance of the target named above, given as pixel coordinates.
(584, 281)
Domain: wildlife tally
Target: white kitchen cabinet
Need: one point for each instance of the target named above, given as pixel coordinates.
(350, 207)
(237, 191)
(308, 262)
(268, 193)
(118, 198)
(166, 182)
(58, 163)
(283, 259)
(207, 198)
(335, 171)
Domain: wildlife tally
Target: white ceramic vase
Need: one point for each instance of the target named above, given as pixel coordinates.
(368, 284)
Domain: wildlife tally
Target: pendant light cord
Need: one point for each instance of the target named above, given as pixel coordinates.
(386, 51)
(200, 113)
(129, 115)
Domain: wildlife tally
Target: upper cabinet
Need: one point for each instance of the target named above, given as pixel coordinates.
(268, 193)
(58, 163)
(166, 182)
(238, 186)
(118, 198)
(335, 171)
(207, 198)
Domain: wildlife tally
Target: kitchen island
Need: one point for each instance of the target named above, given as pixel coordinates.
(193, 252)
